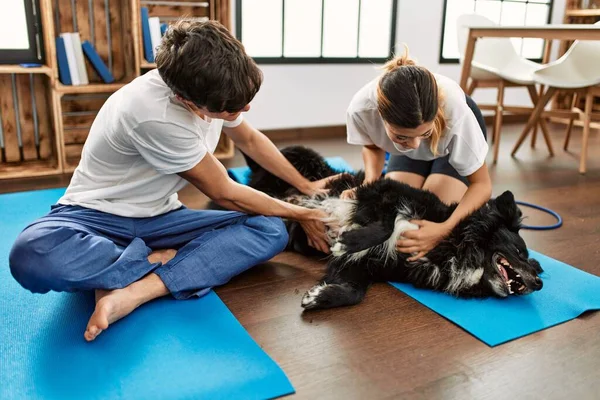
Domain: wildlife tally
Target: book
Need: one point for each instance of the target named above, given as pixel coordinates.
(163, 28)
(76, 40)
(146, 39)
(155, 36)
(63, 62)
(70, 51)
(99, 65)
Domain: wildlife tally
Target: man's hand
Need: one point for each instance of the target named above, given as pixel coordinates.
(315, 230)
(348, 194)
(424, 239)
(317, 187)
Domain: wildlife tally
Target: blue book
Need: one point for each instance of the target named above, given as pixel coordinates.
(163, 28)
(97, 63)
(148, 53)
(63, 63)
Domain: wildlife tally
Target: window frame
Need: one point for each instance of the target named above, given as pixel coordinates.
(35, 52)
(443, 60)
(320, 60)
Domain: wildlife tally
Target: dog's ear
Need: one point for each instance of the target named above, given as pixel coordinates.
(508, 210)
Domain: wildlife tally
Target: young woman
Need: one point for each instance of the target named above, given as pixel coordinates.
(435, 135)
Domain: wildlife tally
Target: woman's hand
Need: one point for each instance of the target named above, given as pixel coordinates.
(317, 187)
(424, 239)
(315, 230)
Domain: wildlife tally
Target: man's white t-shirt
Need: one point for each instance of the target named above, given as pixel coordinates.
(141, 138)
(462, 139)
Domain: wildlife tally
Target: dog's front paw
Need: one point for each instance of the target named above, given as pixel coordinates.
(338, 249)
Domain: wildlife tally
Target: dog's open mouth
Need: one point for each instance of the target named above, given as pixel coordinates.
(514, 281)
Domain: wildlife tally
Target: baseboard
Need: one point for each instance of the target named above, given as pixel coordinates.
(321, 132)
(507, 119)
(318, 132)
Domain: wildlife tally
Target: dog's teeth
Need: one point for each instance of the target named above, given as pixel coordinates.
(518, 276)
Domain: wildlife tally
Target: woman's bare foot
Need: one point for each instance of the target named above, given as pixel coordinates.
(113, 305)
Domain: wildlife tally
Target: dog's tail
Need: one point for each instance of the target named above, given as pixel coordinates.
(364, 238)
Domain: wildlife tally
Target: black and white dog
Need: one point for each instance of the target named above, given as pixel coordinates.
(484, 255)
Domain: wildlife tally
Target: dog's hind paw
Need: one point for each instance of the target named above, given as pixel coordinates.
(328, 295)
(309, 300)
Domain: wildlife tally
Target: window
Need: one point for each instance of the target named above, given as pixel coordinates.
(314, 31)
(502, 12)
(20, 32)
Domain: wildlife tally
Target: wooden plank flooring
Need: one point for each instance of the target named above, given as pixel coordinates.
(391, 346)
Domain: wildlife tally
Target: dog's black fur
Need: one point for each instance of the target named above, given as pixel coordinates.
(483, 256)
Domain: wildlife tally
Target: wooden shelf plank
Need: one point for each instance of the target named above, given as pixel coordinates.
(592, 12)
(17, 69)
(146, 64)
(91, 88)
(29, 169)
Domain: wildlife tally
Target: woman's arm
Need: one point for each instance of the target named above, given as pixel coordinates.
(477, 194)
(429, 234)
(374, 160)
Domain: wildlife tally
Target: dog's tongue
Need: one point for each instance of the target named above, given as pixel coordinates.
(502, 270)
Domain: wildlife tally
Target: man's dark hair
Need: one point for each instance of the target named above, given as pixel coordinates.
(202, 62)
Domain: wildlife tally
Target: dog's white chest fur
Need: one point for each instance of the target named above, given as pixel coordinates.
(401, 225)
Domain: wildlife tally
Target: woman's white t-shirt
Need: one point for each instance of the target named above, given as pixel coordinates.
(462, 139)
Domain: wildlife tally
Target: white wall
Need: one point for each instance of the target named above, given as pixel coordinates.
(294, 96)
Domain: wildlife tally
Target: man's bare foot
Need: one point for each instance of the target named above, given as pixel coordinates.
(162, 256)
(110, 307)
(113, 305)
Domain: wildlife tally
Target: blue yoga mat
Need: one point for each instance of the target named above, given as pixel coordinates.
(568, 292)
(166, 349)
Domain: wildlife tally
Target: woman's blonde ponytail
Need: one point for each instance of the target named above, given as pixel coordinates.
(399, 61)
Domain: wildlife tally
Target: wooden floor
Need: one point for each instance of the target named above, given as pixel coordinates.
(391, 346)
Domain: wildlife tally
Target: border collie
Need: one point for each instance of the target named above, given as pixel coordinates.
(484, 255)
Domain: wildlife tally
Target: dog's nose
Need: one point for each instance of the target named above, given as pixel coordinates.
(537, 284)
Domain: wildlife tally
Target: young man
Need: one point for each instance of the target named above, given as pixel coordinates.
(120, 229)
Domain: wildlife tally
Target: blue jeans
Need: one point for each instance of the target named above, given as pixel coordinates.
(75, 248)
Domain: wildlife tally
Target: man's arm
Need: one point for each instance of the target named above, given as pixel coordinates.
(210, 177)
(258, 147)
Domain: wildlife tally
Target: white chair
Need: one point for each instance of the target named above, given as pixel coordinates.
(578, 70)
(496, 64)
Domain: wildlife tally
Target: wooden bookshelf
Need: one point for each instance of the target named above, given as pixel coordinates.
(29, 145)
(66, 112)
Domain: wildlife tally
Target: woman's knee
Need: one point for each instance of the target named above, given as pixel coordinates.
(410, 178)
(449, 189)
